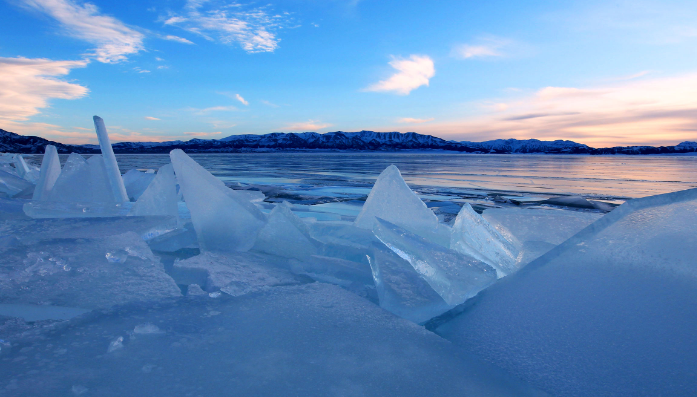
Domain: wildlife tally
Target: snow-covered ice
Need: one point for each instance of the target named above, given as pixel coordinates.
(610, 311)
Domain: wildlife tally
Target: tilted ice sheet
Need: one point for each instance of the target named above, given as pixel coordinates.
(285, 235)
(12, 185)
(84, 273)
(113, 174)
(454, 276)
(536, 231)
(136, 182)
(223, 221)
(160, 197)
(50, 171)
(608, 312)
(472, 235)
(392, 200)
(311, 340)
(401, 290)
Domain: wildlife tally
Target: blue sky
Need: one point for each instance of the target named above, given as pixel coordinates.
(597, 72)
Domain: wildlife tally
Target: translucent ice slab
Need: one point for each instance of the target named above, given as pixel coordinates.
(136, 182)
(113, 175)
(392, 200)
(474, 236)
(50, 171)
(401, 290)
(12, 185)
(454, 276)
(310, 340)
(160, 197)
(285, 235)
(608, 312)
(536, 231)
(223, 220)
(84, 273)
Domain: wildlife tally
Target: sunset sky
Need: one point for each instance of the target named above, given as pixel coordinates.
(602, 73)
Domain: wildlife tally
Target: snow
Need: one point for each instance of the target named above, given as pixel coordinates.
(310, 340)
(607, 312)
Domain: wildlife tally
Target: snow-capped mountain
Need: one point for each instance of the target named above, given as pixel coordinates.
(339, 140)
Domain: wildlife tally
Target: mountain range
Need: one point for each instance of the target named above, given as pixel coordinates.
(339, 140)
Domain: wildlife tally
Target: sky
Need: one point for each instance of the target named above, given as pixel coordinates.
(602, 73)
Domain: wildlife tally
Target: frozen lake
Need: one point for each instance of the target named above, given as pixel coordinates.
(611, 177)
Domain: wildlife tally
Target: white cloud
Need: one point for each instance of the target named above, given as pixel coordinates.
(253, 29)
(139, 70)
(211, 109)
(177, 39)
(163, 67)
(239, 98)
(310, 125)
(412, 73)
(267, 103)
(414, 121)
(151, 118)
(202, 134)
(489, 46)
(114, 40)
(26, 85)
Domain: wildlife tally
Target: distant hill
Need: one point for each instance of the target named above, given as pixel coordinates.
(339, 140)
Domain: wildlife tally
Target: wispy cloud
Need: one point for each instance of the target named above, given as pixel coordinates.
(211, 109)
(414, 121)
(267, 103)
(26, 85)
(411, 74)
(151, 118)
(202, 134)
(239, 98)
(489, 46)
(658, 111)
(254, 29)
(140, 70)
(310, 125)
(177, 39)
(114, 40)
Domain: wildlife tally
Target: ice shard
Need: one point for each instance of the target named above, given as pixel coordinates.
(136, 182)
(392, 200)
(50, 170)
(285, 235)
(12, 185)
(401, 290)
(610, 311)
(160, 198)
(118, 190)
(472, 235)
(333, 270)
(223, 222)
(99, 190)
(454, 276)
(73, 183)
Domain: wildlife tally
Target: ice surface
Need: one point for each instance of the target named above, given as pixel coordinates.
(285, 235)
(392, 200)
(174, 239)
(136, 182)
(474, 236)
(608, 312)
(77, 273)
(536, 231)
(401, 290)
(223, 221)
(454, 276)
(39, 312)
(311, 340)
(236, 273)
(50, 170)
(118, 191)
(334, 271)
(160, 197)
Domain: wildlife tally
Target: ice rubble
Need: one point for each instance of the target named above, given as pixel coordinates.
(610, 311)
(311, 340)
